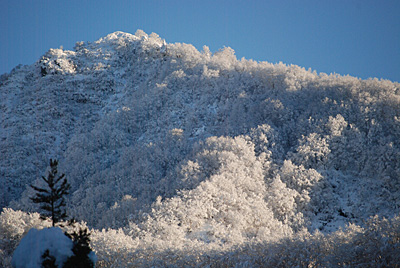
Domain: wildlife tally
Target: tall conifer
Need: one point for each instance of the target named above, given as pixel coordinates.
(51, 197)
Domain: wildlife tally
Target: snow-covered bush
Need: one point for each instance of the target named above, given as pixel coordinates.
(35, 243)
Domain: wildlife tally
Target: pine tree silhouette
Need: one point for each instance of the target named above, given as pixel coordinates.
(51, 197)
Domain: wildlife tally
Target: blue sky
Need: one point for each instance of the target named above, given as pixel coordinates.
(360, 38)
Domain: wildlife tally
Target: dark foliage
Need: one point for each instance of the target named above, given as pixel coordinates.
(81, 250)
(48, 260)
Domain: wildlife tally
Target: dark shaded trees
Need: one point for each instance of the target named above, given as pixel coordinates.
(81, 250)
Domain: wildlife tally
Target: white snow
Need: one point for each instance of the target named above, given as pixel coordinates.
(32, 246)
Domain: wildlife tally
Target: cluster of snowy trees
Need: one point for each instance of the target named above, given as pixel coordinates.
(171, 152)
(376, 244)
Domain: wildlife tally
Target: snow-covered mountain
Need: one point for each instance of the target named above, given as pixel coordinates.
(185, 149)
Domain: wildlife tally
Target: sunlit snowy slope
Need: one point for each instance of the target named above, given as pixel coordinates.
(190, 151)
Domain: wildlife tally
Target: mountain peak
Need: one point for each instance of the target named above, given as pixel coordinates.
(221, 151)
(117, 37)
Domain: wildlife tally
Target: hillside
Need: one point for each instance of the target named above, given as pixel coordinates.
(182, 151)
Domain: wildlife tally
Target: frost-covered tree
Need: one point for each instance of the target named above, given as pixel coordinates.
(51, 197)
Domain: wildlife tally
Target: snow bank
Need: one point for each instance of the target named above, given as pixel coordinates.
(35, 243)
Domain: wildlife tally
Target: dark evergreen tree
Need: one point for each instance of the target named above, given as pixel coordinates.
(81, 250)
(51, 197)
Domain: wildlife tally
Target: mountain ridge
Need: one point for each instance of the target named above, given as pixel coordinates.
(163, 140)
